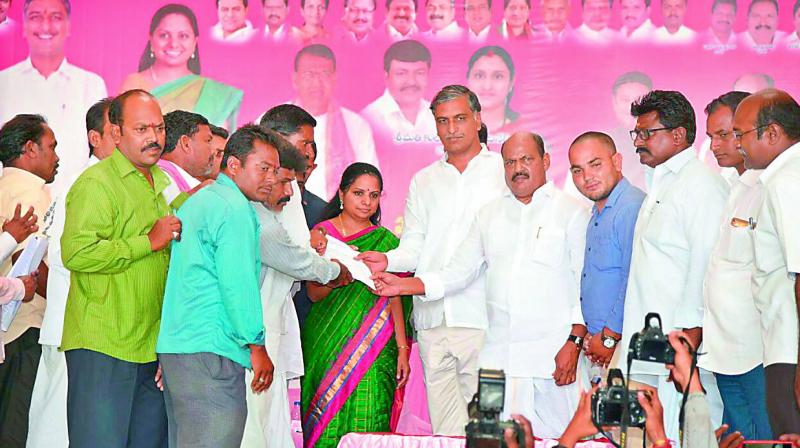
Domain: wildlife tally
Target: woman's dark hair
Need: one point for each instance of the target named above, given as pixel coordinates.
(351, 173)
(493, 50)
(147, 59)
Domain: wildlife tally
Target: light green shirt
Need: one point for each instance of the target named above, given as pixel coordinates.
(117, 281)
(212, 302)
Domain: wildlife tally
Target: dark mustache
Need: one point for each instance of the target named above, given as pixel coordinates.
(284, 200)
(520, 174)
(436, 16)
(641, 149)
(412, 87)
(762, 26)
(403, 17)
(153, 145)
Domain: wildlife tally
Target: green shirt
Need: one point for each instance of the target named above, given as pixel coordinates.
(117, 281)
(212, 301)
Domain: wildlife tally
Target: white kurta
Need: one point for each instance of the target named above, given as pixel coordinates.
(777, 257)
(241, 35)
(385, 115)
(684, 35)
(731, 323)
(602, 37)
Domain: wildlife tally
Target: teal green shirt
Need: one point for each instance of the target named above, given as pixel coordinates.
(212, 301)
(116, 280)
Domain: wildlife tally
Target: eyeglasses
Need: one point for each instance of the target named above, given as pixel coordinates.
(721, 136)
(645, 134)
(739, 135)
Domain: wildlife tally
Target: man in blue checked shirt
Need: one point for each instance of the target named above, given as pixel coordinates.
(596, 168)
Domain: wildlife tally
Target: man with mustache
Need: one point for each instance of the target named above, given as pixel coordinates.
(555, 25)
(441, 15)
(54, 88)
(675, 233)
(28, 155)
(637, 26)
(766, 126)
(6, 24)
(401, 110)
(596, 19)
(793, 41)
(674, 31)
(233, 25)
(442, 199)
(401, 17)
(532, 235)
(732, 336)
(283, 265)
(118, 257)
(358, 18)
(188, 155)
(275, 12)
(596, 169)
(48, 415)
(720, 36)
(762, 34)
(478, 15)
(219, 137)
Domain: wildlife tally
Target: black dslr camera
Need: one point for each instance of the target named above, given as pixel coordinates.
(651, 344)
(608, 404)
(485, 430)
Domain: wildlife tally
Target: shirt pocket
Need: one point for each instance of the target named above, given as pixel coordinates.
(548, 245)
(603, 255)
(739, 245)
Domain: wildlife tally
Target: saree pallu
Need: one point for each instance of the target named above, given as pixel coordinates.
(218, 103)
(350, 356)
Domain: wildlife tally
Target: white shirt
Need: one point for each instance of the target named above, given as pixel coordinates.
(675, 232)
(713, 43)
(793, 41)
(360, 140)
(542, 33)
(63, 100)
(7, 245)
(395, 35)
(440, 207)
(450, 32)
(747, 41)
(731, 324)
(278, 35)
(684, 35)
(533, 255)
(172, 190)
(58, 278)
(777, 257)
(479, 37)
(643, 33)
(243, 34)
(604, 36)
(384, 113)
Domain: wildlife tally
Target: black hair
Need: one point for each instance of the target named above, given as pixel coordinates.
(320, 50)
(179, 123)
(783, 111)
(730, 100)
(674, 110)
(349, 176)
(303, 3)
(533, 136)
(754, 2)
(291, 159)
(117, 107)
(285, 2)
(18, 131)
(389, 2)
(796, 7)
(483, 134)
(240, 144)
(148, 58)
(66, 4)
(725, 2)
(218, 131)
(96, 118)
(610, 3)
(601, 137)
(406, 51)
(244, 2)
(527, 2)
(511, 115)
(286, 119)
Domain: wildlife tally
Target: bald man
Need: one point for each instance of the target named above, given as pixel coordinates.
(596, 169)
(767, 128)
(530, 243)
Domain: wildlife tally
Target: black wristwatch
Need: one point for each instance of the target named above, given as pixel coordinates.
(578, 340)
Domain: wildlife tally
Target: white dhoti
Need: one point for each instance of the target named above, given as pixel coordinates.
(548, 407)
(47, 425)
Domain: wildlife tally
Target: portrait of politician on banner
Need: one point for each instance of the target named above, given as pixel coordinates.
(169, 68)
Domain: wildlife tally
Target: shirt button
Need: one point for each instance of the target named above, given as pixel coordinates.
(590, 249)
(595, 224)
(584, 275)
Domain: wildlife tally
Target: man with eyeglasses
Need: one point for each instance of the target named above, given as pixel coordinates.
(530, 243)
(358, 18)
(401, 18)
(675, 232)
(767, 129)
(731, 323)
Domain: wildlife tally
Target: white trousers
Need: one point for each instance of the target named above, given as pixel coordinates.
(47, 427)
(549, 407)
(268, 415)
(450, 362)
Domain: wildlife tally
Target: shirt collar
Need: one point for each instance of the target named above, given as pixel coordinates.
(621, 187)
(545, 191)
(750, 177)
(64, 69)
(484, 152)
(481, 33)
(449, 29)
(20, 175)
(392, 31)
(387, 101)
(227, 182)
(124, 167)
(676, 162)
(782, 159)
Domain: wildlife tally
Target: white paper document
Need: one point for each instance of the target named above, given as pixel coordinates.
(27, 262)
(346, 255)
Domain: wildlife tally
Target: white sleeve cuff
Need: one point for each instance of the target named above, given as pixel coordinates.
(434, 287)
(7, 246)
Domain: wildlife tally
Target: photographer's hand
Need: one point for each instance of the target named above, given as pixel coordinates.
(682, 368)
(581, 425)
(527, 431)
(654, 423)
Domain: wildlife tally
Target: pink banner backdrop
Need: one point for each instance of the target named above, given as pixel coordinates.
(560, 89)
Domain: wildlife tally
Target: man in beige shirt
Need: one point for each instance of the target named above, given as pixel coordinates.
(27, 152)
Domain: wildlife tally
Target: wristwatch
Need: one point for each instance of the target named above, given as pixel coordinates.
(608, 341)
(578, 340)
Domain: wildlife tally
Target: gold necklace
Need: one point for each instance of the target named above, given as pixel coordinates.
(341, 224)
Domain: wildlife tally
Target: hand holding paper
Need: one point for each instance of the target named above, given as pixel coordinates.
(347, 256)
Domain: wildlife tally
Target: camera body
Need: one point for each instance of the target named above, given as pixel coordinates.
(608, 404)
(485, 430)
(651, 344)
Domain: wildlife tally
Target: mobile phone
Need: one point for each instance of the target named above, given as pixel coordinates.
(767, 444)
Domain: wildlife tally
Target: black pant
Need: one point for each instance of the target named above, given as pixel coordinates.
(113, 403)
(784, 415)
(17, 374)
